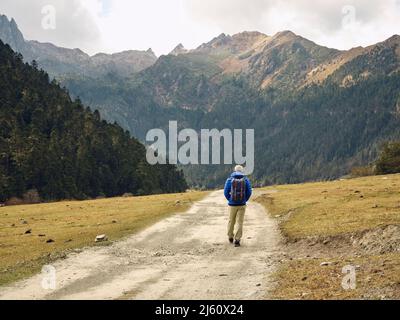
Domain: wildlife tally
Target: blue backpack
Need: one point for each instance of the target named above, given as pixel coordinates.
(238, 190)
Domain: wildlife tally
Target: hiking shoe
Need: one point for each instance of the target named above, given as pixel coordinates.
(237, 243)
(231, 240)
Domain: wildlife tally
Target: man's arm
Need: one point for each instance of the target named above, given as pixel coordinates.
(227, 189)
(249, 189)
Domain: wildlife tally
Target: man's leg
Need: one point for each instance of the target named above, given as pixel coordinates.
(232, 220)
(240, 217)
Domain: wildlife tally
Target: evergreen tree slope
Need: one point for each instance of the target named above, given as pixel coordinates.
(63, 150)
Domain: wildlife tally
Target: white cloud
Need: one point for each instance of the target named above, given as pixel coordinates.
(160, 25)
(318, 20)
(116, 25)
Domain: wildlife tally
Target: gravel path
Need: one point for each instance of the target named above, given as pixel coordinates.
(186, 256)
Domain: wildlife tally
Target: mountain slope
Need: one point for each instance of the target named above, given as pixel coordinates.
(54, 145)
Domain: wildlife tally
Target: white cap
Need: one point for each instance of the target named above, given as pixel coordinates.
(239, 168)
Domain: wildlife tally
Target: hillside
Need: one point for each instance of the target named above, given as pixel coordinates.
(53, 145)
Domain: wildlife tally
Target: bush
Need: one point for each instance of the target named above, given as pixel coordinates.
(389, 160)
(127, 195)
(31, 196)
(362, 171)
(14, 201)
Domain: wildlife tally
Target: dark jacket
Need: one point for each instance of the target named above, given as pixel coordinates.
(228, 187)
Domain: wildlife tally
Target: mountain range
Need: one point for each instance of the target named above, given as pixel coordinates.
(59, 61)
(316, 111)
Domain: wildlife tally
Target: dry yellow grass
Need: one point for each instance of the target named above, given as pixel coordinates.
(75, 224)
(377, 277)
(329, 209)
(332, 208)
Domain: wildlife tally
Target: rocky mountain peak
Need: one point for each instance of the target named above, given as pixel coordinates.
(286, 33)
(151, 52)
(221, 41)
(285, 36)
(393, 40)
(179, 49)
(248, 35)
(11, 35)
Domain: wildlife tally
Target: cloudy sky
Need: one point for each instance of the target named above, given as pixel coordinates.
(117, 25)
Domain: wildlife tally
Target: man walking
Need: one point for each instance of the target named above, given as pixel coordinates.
(237, 191)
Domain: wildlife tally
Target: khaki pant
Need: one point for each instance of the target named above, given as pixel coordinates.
(236, 215)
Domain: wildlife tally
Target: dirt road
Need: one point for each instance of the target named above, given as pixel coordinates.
(186, 256)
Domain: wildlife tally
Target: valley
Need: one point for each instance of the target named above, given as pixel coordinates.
(113, 156)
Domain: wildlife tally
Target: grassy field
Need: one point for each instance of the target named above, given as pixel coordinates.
(338, 211)
(33, 235)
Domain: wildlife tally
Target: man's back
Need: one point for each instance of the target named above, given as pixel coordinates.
(232, 184)
(237, 191)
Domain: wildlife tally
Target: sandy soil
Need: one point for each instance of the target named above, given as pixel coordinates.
(186, 256)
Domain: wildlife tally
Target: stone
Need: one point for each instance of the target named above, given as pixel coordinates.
(127, 195)
(50, 241)
(101, 238)
(29, 231)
